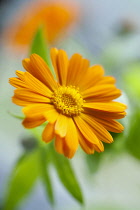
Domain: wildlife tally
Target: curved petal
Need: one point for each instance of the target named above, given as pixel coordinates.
(46, 110)
(77, 65)
(59, 144)
(111, 125)
(106, 80)
(108, 96)
(62, 148)
(33, 121)
(88, 133)
(36, 86)
(16, 82)
(91, 77)
(106, 110)
(111, 106)
(104, 114)
(61, 125)
(60, 63)
(20, 102)
(20, 74)
(71, 139)
(86, 146)
(48, 133)
(101, 93)
(54, 55)
(33, 109)
(29, 67)
(39, 69)
(68, 152)
(98, 129)
(23, 97)
(51, 115)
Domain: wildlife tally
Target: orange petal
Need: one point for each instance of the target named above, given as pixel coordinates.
(88, 133)
(104, 114)
(106, 97)
(54, 55)
(103, 92)
(86, 146)
(20, 102)
(33, 109)
(61, 125)
(23, 97)
(36, 86)
(39, 69)
(112, 106)
(48, 133)
(77, 65)
(51, 115)
(62, 148)
(20, 74)
(34, 121)
(106, 80)
(16, 82)
(71, 139)
(91, 76)
(111, 125)
(59, 144)
(60, 63)
(98, 129)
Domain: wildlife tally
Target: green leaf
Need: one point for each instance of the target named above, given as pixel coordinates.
(133, 138)
(44, 163)
(66, 175)
(116, 147)
(44, 172)
(16, 116)
(22, 180)
(40, 47)
(110, 150)
(131, 79)
(93, 161)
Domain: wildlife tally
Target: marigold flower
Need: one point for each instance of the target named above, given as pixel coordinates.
(78, 104)
(54, 16)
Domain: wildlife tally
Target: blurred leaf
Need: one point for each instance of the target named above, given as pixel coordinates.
(93, 161)
(40, 47)
(44, 163)
(133, 138)
(119, 142)
(1, 206)
(110, 150)
(16, 116)
(132, 78)
(66, 175)
(22, 178)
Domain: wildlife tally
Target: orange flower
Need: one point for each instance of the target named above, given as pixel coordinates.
(77, 104)
(54, 16)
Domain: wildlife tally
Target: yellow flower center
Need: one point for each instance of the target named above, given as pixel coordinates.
(67, 100)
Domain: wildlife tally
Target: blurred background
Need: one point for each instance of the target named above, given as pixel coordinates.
(105, 32)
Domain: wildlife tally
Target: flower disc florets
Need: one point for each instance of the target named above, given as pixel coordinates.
(67, 100)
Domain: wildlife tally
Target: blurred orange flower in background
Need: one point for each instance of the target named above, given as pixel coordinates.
(54, 16)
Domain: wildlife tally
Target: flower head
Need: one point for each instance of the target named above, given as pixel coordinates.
(78, 104)
(55, 17)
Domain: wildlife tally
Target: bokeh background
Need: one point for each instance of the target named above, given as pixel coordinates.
(106, 32)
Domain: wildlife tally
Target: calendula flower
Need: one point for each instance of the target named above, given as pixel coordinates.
(54, 17)
(78, 104)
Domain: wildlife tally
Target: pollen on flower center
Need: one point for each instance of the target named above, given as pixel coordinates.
(67, 100)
